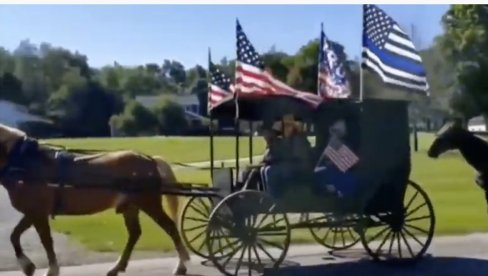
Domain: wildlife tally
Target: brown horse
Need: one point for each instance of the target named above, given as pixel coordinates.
(128, 181)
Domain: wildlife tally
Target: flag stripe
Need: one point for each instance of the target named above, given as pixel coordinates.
(388, 51)
(395, 61)
(252, 80)
(394, 72)
(395, 81)
(220, 88)
(343, 158)
(402, 52)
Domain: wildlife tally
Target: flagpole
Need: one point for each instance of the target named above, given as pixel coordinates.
(236, 122)
(209, 112)
(320, 54)
(361, 83)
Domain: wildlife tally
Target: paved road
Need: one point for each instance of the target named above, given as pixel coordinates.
(467, 255)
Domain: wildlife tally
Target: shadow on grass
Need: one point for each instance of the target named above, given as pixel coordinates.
(430, 266)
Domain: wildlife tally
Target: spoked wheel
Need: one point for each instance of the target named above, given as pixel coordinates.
(333, 233)
(247, 234)
(194, 221)
(403, 237)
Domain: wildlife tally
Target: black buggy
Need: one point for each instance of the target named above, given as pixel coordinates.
(243, 229)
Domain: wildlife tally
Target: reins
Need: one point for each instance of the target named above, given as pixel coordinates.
(97, 151)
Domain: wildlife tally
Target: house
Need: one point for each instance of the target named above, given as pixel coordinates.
(18, 116)
(189, 103)
(477, 124)
(14, 115)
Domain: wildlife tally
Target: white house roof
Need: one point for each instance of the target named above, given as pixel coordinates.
(477, 121)
(186, 99)
(13, 114)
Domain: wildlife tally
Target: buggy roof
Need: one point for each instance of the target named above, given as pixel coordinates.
(258, 107)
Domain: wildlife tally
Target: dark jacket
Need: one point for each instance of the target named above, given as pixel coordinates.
(294, 150)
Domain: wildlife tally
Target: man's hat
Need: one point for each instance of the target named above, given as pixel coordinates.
(286, 120)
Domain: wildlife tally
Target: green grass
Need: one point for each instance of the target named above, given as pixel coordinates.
(458, 202)
(175, 149)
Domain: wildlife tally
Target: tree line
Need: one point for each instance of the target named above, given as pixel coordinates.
(83, 101)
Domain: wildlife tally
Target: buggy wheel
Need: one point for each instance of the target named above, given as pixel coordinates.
(194, 221)
(247, 233)
(336, 233)
(403, 237)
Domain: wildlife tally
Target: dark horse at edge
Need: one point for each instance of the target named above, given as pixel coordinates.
(473, 148)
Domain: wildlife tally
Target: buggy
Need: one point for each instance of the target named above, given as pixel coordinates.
(239, 228)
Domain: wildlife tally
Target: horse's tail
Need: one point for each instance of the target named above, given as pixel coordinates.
(167, 175)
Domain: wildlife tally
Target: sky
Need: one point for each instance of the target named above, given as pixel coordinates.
(139, 34)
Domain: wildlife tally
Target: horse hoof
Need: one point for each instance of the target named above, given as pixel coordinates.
(53, 271)
(29, 269)
(113, 273)
(180, 271)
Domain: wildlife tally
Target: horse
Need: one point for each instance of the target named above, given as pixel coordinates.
(84, 184)
(474, 150)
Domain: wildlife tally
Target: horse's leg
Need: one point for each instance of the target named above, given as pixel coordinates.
(153, 208)
(131, 219)
(41, 223)
(25, 263)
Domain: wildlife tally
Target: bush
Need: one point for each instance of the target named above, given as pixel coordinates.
(171, 117)
(135, 120)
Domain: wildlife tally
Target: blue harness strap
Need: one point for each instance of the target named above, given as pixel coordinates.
(64, 160)
(21, 158)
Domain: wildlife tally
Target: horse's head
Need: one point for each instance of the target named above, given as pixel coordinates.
(448, 138)
(8, 139)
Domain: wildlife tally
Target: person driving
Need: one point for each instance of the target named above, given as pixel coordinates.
(291, 156)
(249, 175)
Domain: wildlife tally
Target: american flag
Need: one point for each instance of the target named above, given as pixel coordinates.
(389, 52)
(220, 87)
(253, 80)
(332, 81)
(340, 155)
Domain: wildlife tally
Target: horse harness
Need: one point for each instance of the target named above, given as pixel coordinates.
(23, 161)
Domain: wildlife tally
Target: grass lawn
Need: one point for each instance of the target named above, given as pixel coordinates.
(175, 149)
(458, 202)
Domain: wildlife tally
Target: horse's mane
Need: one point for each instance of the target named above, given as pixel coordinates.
(17, 133)
(475, 150)
(476, 138)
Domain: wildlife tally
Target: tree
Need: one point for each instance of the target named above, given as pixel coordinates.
(135, 120)
(83, 108)
(7, 62)
(140, 82)
(175, 70)
(274, 61)
(194, 75)
(11, 89)
(153, 68)
(464, 45)
(463, 105)
(303, 67)
(201, 90)
(171, 117)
